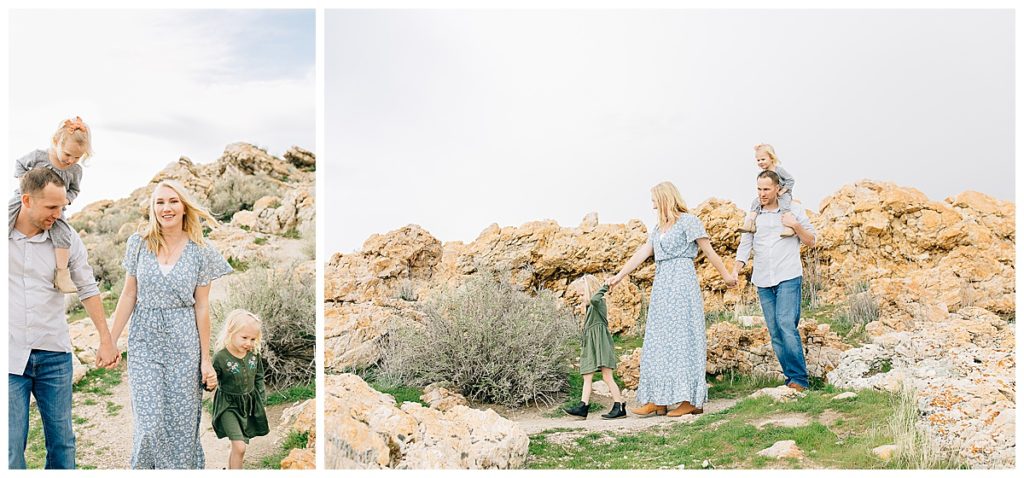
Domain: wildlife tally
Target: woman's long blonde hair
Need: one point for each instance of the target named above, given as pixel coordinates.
(235, 320)
(670, 204)
(192, 220)
(770, 151)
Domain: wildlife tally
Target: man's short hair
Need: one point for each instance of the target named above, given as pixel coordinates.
(34, 181)
(771, 175)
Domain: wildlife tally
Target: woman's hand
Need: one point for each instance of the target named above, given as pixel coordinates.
(209, 375)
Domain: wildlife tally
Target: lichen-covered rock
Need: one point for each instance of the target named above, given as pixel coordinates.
(366, 430)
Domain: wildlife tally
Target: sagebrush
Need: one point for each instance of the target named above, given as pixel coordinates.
(491, 341)
(285, 300)
(237, 192)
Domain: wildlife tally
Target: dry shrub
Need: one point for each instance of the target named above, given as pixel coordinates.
(286, 303)
(490, 341)
(237, 192)
(914, 449)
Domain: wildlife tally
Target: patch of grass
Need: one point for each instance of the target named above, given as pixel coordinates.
(77, 420)
(729, 438)
(734, 385)
(401, 393)
(113, 409)
(292, 441)
(625, 344)
(99, 381)
(259, 241)
(237, 264)
(89, 402)
(291, 234)
(292, 394)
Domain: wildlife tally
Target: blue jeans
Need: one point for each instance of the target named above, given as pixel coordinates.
(47, 376)
(781, 307)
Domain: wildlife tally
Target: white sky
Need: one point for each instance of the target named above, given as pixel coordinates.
(155, 85)
(454, 120)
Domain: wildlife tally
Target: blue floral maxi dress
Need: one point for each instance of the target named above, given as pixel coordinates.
(163, 355)
(674, 356)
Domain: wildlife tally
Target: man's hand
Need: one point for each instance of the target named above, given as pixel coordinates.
(107, 356)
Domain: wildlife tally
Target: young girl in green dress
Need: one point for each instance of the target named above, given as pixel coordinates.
(238, 404)
(598, 353)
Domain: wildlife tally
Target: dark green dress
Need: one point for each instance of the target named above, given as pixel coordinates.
(598, 350)
(238, 403)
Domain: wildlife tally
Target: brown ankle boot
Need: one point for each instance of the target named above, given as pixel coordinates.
(62, 281)
(649, 409)
(685, 408)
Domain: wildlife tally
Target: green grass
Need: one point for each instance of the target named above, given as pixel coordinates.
(99, 381)
(401, 393)
(291, 234)
(728, 439)
(292, 394)
(113, 409)
(259, 241)
(625, 344)
(237, 264)
(734, 385)
(292, 441)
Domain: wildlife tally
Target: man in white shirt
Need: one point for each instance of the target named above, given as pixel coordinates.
(39, 343)
(778, 275)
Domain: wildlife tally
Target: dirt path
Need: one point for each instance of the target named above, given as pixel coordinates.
(536, 420)
(103, 429)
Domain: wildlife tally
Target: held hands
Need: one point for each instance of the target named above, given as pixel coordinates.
(614, 280)
(107, 356)
(209, 375)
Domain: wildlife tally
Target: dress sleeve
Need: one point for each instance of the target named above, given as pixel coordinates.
(694, 229)
(788, 181)
(213, 265)
(218, 366)
(131, 254)
(74, 185)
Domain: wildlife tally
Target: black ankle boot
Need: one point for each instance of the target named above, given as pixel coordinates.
(618, 411)
(580, 410)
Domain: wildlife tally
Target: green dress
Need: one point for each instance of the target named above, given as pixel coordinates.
(238, 403)
(598, 350)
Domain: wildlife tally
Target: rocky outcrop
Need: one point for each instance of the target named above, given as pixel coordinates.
(962, 370)
(300, 418)
(365, 429)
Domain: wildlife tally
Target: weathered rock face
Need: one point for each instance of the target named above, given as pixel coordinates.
(366, 430)
(963, 371)
(955, 253)
(440, 398)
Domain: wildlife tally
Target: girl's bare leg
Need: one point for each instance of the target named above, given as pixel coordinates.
(237, 455)
(606, 375)
(588, 383)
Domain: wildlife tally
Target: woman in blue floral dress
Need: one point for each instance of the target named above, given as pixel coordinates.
(674, 356)
(168, 271)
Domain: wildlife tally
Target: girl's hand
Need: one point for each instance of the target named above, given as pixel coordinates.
(614, 280)
(209, 375)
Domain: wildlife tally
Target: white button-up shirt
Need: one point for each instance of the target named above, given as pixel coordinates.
(35, 309)
(776, 258)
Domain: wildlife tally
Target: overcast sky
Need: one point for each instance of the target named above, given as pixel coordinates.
(155, 85)
(454, 120)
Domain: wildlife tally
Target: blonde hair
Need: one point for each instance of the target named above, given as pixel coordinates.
(670, 204)
(234, 322)
(192, 221)
(73, 130)
(770, 151)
